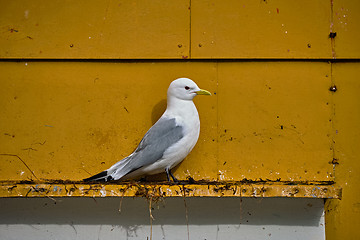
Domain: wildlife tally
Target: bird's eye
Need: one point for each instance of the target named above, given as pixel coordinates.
(187, 88)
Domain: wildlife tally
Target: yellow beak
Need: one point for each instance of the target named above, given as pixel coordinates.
(203, 92)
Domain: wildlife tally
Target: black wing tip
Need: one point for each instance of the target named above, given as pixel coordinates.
(100, 177)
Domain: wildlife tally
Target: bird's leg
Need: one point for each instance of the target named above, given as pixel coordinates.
(168, 174)
(174, 178)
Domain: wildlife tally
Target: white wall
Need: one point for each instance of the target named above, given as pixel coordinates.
(209, 218)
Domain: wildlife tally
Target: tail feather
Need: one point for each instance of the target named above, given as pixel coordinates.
(100, 177)
(115, 172)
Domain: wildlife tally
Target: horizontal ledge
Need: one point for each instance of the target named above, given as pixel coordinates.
(161, 189)
(132, 60)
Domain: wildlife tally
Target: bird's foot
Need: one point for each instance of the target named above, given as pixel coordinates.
(174, 179)
(169, 174)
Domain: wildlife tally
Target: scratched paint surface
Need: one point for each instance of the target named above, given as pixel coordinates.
(67, 120)
(346, 20)
(94, 29)
(115, 30)
(260, 29)
(257, 125)
(343, 216)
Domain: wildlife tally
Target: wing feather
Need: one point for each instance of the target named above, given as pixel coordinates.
(163, 134)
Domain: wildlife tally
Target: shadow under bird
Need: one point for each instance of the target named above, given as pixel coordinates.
(167, 142)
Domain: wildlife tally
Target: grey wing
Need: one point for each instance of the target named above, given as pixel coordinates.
(163, 134)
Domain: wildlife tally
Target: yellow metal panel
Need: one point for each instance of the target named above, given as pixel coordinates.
(94, 29)
(260, 29)
(342, 218)
(346, 14)
(274, 121)
(67, 120)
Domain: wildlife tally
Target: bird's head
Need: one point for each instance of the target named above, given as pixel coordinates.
(185, 89)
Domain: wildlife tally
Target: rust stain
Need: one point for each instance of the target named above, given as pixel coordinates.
(13, 30)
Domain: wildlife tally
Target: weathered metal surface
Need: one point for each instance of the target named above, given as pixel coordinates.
(268, 121)
(342, 217)
(94, 29)
(346, 18)
(165, 30)
(160, 190)
(272, 115)
(260, 29)
(68, 120)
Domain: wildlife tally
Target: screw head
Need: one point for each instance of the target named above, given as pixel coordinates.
(333, 88)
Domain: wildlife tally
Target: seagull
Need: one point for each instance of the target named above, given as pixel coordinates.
(167, 142)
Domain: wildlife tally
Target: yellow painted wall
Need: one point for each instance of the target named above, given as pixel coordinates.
(342, 216)
(93, 114)
(92, 29)
(82, 81)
